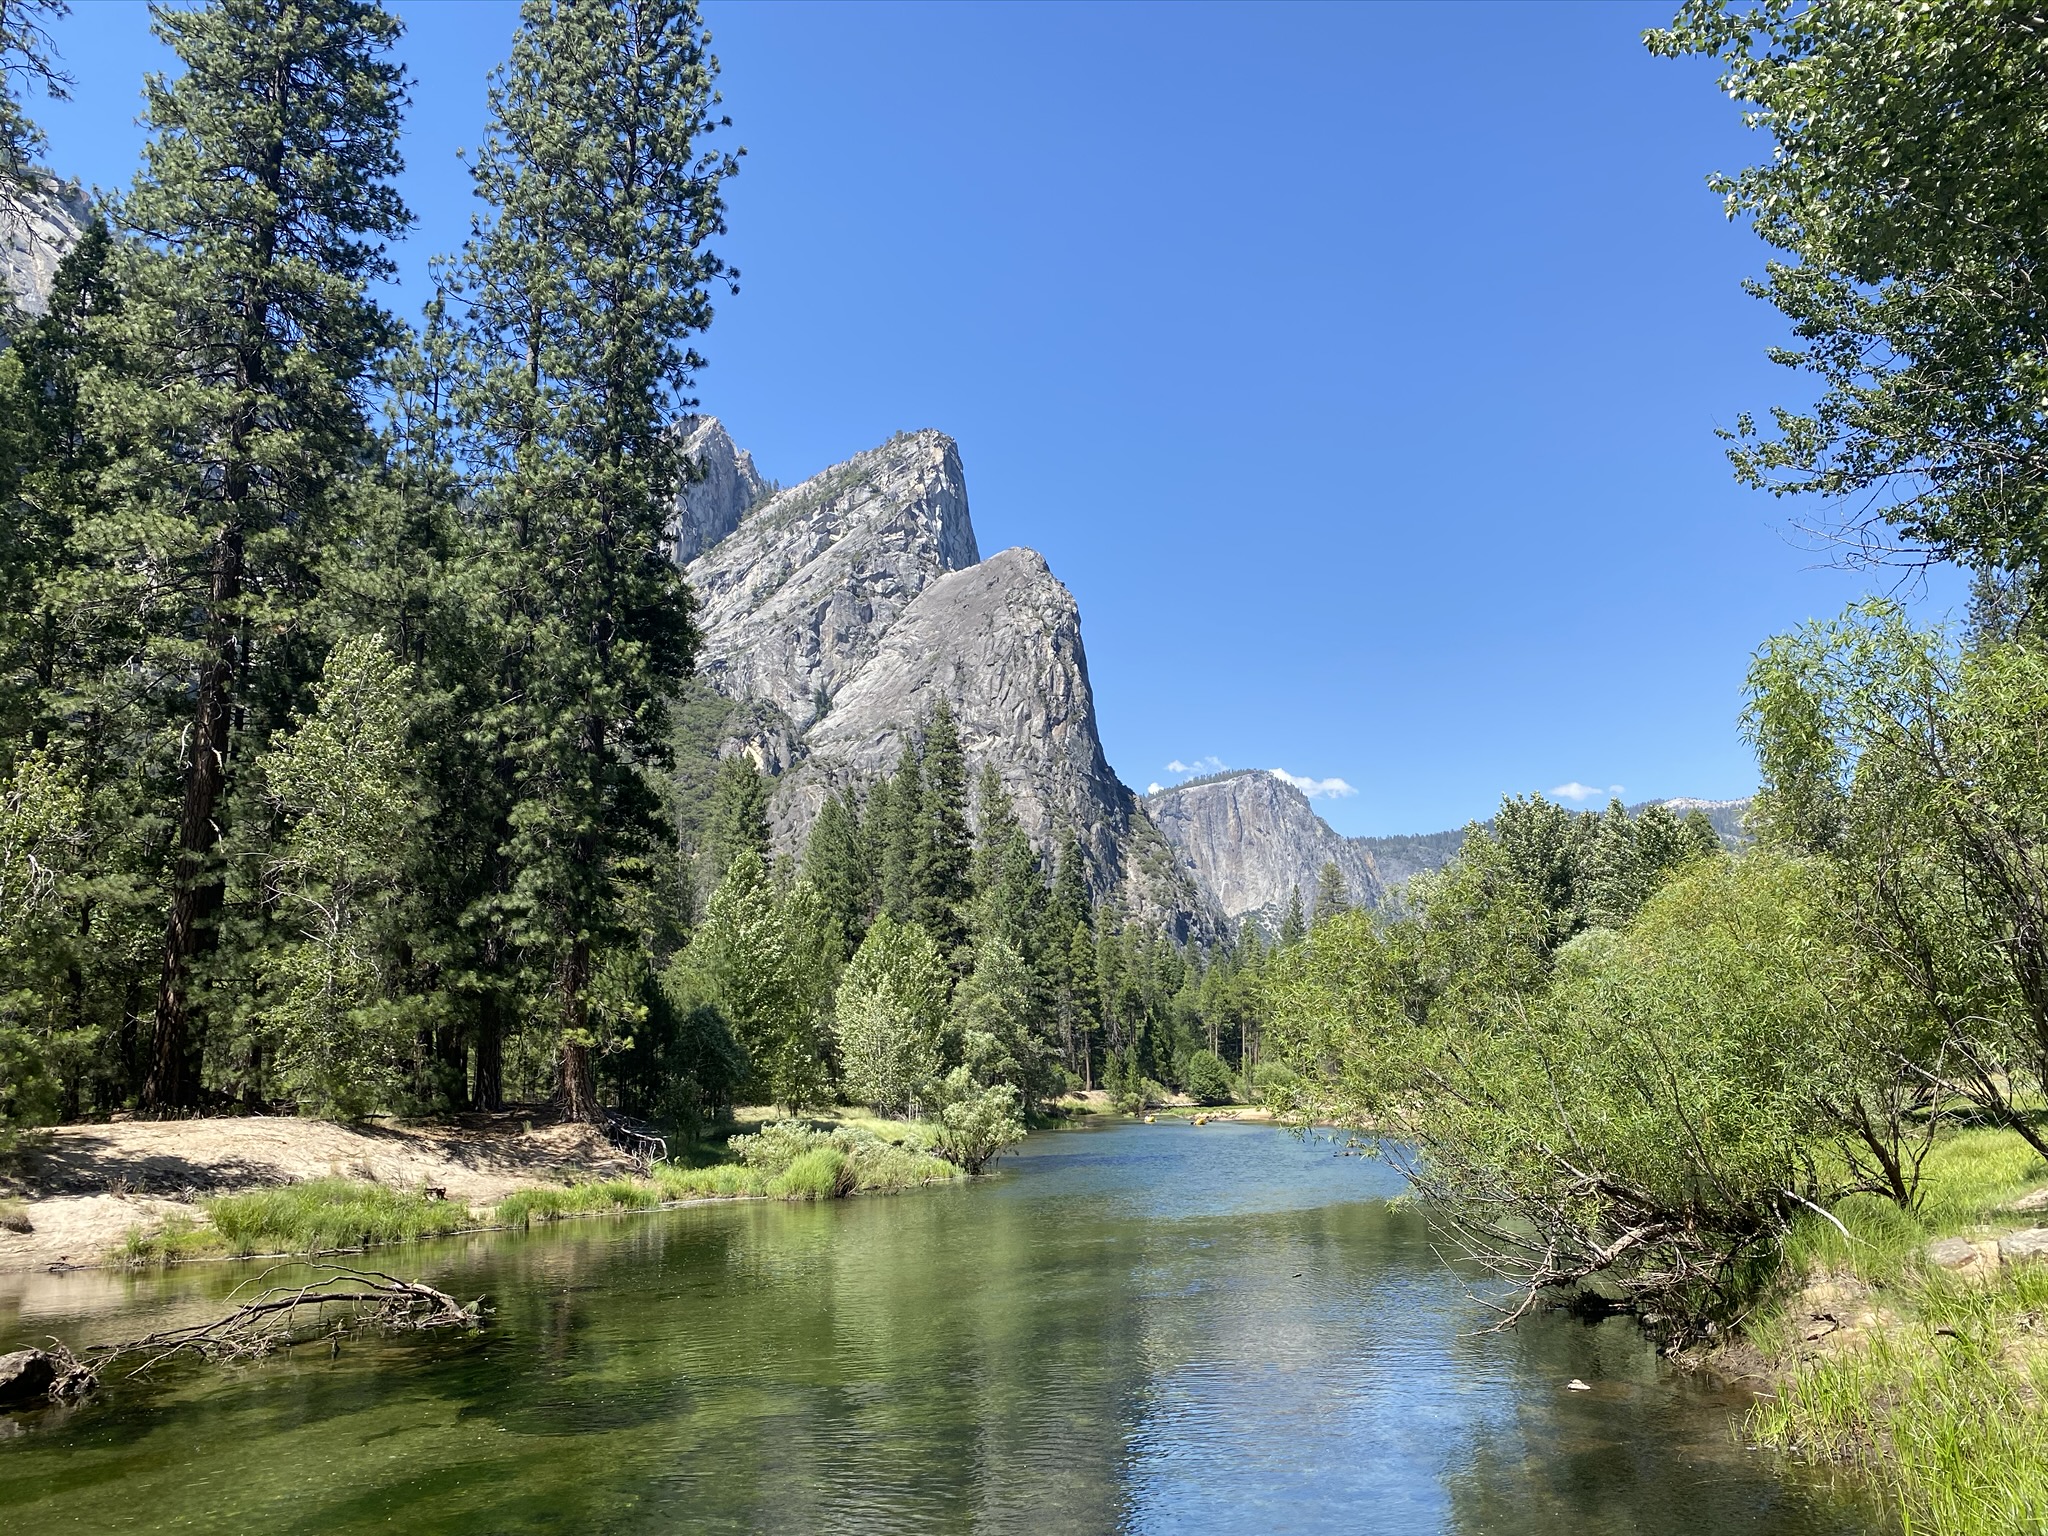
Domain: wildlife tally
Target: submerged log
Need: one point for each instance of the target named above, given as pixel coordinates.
(281, 1315)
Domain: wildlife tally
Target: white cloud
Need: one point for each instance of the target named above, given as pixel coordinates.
(1152, 789)
(1210, 764)
(1580, 793)
(1315, 789)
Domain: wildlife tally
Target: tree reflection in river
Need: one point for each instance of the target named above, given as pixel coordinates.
(1135, 1328)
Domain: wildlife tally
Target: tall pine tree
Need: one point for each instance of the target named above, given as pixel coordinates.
(943, 848)
(264, 194)
(583, 285)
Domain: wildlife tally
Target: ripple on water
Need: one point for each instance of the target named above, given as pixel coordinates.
(1142, 1328)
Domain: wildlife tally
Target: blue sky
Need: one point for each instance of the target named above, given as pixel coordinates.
(1356, 367)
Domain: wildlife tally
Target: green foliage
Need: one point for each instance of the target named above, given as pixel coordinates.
(1657, 1109)
(941, 849)
(1331, 897)
(318, 1216)
(889, 1015)
(1208, 1080)
(802, 1162)
(836, 864)
(42, 832)
(1916, 774)
(339, 785)
(1907, 182)
(737, 821)
(25, 55)
(745, 962)
(576, 359)
(1000, 1015)
(978, 1124)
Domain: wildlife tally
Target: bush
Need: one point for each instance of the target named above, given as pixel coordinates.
(978, 1127)
(872, 1163)
(1272, 1085)
(1208, 1078)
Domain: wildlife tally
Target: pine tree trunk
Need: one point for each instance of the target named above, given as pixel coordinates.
(197, 887)
(578, 1088)
(488, 1092)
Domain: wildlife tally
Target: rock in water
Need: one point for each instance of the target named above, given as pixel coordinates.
(1253, 839)
(26, 1377)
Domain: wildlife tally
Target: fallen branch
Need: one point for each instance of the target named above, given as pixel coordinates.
(278, 1315)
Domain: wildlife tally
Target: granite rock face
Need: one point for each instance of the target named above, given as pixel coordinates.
(34, 238)
(795, 599)
(1253, 839)
(841, 611)
(710, 506)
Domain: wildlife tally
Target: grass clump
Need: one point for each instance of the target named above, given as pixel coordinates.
(318, 1216)
(524, 1207)
(823, 1173)
(1949, 1408)
(871, 1156)
(1946, 1400)
(325, 1214)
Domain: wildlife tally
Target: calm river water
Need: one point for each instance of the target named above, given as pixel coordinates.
(1133, 1328)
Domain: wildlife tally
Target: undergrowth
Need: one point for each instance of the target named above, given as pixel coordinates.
(1946, 1402)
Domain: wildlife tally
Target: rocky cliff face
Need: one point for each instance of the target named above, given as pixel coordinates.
(839, 612)
(1253, 839)
(33, 239)
(796, 598)
(711, 505)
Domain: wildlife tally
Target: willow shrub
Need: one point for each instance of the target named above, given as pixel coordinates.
(1644, 1122)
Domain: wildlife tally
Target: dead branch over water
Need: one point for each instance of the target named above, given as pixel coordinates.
(342, 1301)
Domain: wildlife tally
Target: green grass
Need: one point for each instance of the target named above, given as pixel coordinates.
(1947, 1408)
(1946, 1403)
(859, 1154)
(318, 1216)
(1967, 1177)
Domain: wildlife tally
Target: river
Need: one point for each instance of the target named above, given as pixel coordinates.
(1136, 1328)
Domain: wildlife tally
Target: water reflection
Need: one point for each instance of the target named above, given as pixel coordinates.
(1136, 1328)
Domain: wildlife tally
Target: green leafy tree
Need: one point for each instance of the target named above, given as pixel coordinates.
(341, 785)
(1209, 1078)
(889, 1018)
(579, 309)
(978, 1124)
(1000, 1013)
(1907, 190)
(1916, 773)
(745, 963)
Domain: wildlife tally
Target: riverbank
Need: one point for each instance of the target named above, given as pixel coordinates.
(1914, 1346)
(161, 1191)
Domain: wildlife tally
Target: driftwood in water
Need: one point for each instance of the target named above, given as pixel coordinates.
(278, 1315)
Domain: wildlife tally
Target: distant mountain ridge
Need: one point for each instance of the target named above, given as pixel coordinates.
(1252, 839)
